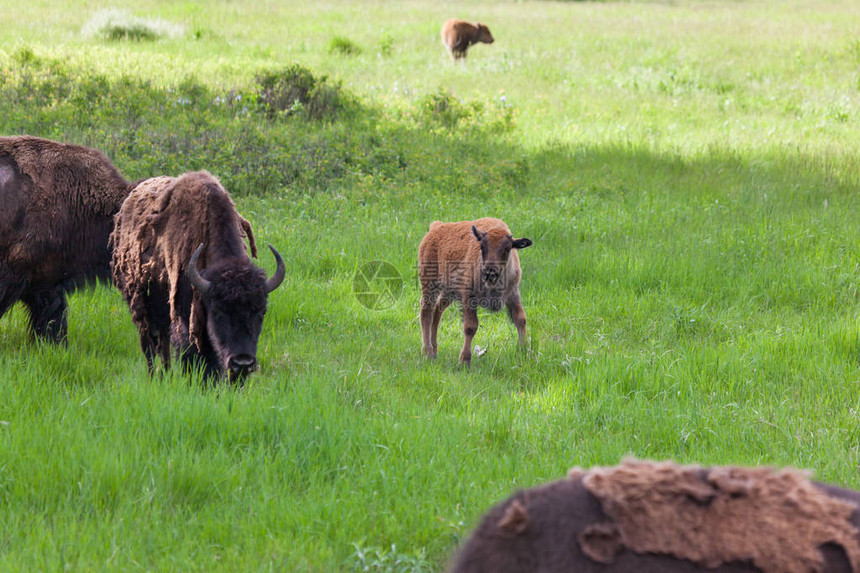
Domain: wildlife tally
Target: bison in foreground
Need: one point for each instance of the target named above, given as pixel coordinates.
(645, 517)
(458, 35)
(57, 204)
(166, 232)
(475, 263)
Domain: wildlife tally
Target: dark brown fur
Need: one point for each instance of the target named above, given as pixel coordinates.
(57, 203)
(684, 520)
(156, 232)
(475, 263)
(458, 35)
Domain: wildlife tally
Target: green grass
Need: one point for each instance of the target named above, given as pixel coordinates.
(688, 174)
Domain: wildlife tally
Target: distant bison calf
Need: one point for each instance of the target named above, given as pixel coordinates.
(458, 35)
(475, 263)
(168, 229)
(645, 517)
(57, 203)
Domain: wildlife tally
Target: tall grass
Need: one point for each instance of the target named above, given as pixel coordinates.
(692, 292)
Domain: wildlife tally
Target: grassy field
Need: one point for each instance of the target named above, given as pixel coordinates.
(688, 172)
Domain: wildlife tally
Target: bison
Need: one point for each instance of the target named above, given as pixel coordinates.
(458, 35)
(646, 517)
(57, 203)
(475, 263)
(181, 265)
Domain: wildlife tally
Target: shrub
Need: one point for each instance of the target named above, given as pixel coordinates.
(295, 91)
(344, 46)
(442, 108)
(386, 45)
(119, 25)
(25, 56)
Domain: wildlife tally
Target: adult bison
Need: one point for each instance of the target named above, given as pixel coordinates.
(476, 263)
(57, 203)
(169, 229)
(645, 517)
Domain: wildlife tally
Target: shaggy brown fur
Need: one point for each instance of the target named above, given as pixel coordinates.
(458, 35)
(156, 232)
(776, 520)
(662, 518)
(475, 263)
(57, 203)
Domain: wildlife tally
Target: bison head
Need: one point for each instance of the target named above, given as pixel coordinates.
(496, 247)
(234, 293)
(484, 34)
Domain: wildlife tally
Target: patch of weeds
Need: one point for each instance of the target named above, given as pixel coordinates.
(442, 108)
(121, 25)
(296, 91)
(25, 56)
(378, 560)
(386, 45)
(343, 46)
(200, 33)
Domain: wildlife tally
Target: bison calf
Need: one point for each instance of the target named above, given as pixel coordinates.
(57, 203)
(645, 517)
(458, 35)
(168, 229)
(475, 263)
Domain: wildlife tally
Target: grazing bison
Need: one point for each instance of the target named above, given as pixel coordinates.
(168, 229)
(57, 203)
(645, 517)
(476, 263)
(458, 35)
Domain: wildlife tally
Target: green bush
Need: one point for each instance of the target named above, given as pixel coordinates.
(296, 91)
(386, 45)
(120, 25)
(442, 108)
(344, 46)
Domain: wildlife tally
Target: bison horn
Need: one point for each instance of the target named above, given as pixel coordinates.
(276, 279)
(199, 282)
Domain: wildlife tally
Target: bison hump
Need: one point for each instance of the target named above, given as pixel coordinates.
(778, 520)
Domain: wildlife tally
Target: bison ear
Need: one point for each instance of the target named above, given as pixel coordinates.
(515, 520)
(478, 234)
(601, 542)
(522, 243)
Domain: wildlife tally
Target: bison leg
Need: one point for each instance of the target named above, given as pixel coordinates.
(155, 344)
(470, 327)
(10, 290)
(150, 311)
(147, 345)
(440, 307)
(47, 314)
(428, 301)
(163, 349)
(193, 360)
(518, 317)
